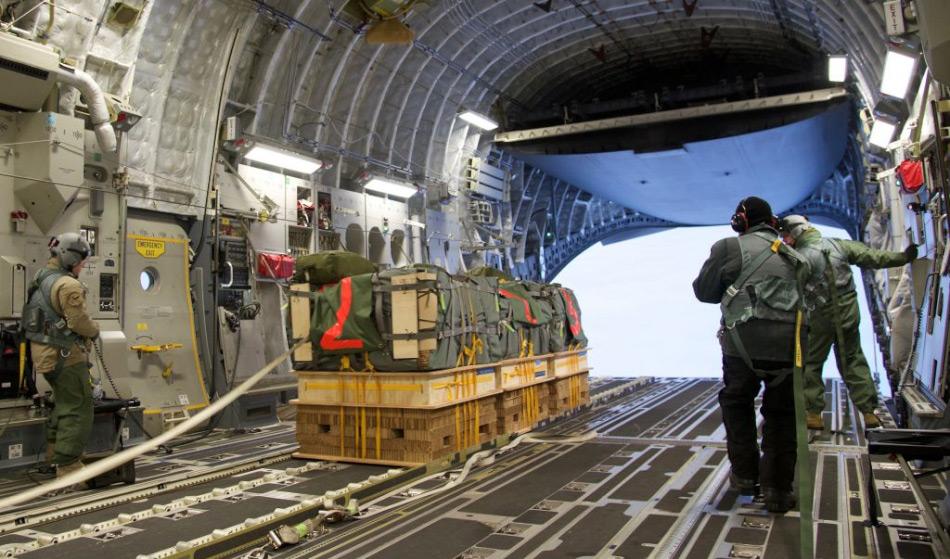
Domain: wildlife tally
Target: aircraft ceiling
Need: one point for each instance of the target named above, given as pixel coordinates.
(397, 104)
(301, 71)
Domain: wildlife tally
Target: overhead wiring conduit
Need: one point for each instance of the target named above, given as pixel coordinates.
(107, 464)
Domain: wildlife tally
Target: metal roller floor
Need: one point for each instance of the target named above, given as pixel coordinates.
(653, 484)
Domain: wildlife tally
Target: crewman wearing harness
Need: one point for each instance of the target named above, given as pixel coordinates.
(59, 330)
(833, 315)
(755, 279)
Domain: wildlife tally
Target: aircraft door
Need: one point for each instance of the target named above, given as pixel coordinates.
(164, 368)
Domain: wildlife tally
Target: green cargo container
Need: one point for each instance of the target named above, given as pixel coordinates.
(330, 266)
(420, 318)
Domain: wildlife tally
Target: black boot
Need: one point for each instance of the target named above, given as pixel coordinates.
(778, 501)
(746, 487)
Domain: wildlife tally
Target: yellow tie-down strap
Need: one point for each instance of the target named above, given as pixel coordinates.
(574, 397)
(529, 405)
(467, 419)
(155, 348)
(464, 385)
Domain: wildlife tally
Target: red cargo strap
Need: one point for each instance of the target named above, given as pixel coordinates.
(572, 312)
(331, 338)
(527, 308)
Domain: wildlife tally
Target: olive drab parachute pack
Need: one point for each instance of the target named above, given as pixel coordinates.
(41, 323)
(420, 318)
(572, 310)
(330, 266)
(766, 289)
(343, 314)
(487, 271)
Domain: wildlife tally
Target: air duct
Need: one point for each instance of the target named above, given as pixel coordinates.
(28, 71)
(96, 101)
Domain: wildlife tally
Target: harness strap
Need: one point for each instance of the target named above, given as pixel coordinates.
(779, 374)
(491, 330)
(429, 285)
(54, 329)
(747, 271)
(734, 290)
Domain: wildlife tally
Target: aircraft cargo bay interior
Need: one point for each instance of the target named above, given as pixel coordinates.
(474, 279)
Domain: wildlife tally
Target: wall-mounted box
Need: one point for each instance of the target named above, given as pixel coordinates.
(48, 163)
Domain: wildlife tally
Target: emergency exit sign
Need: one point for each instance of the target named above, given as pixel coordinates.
(894, 17)
(149, 248)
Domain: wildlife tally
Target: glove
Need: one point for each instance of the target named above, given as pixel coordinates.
(911, 252)
(97, 392)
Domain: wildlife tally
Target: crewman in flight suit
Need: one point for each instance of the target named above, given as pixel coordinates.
(755, 279)
(830, 310)
(60, 331)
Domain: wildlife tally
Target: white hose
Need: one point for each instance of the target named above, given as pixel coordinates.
(484, 458)
(106, 464)
(98, 110)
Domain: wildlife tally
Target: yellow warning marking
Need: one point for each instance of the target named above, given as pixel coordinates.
(149, 248)
(141, 326)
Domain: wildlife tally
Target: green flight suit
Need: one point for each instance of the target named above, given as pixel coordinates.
(63, 359)
(821, 315)
(70, 421)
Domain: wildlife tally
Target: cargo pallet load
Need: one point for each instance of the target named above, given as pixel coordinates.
(412, 365)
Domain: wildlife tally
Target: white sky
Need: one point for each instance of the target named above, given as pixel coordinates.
(640, 314)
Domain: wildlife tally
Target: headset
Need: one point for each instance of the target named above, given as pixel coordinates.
(739, 221)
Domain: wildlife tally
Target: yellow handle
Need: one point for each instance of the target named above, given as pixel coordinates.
(22, 364)
(146, 348)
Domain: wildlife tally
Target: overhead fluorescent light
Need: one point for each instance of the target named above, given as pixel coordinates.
(889, 115)
(837, 68)
(478, 120)
(414, 223)
(390, 187)
(899, 68)
(284, 159)
(882, 132)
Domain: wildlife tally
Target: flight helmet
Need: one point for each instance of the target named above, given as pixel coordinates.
(70, 249)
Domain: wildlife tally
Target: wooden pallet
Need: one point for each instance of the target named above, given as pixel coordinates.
(568, 393)
(521, 409)
(433, 389)
(569, 363)
(394, 436)
(416, 418)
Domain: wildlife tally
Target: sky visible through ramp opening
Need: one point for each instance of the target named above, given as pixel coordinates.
(640, 314)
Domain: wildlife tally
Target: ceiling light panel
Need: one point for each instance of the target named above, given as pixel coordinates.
(882, 133)
(390, 187)
(284, 159)
(837, 68)
(899, 68)
(478, 120)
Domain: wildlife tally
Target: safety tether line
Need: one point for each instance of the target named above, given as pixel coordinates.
(805, 482)
(109, 463)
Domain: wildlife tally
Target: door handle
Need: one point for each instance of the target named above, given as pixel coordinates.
(230, 275)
